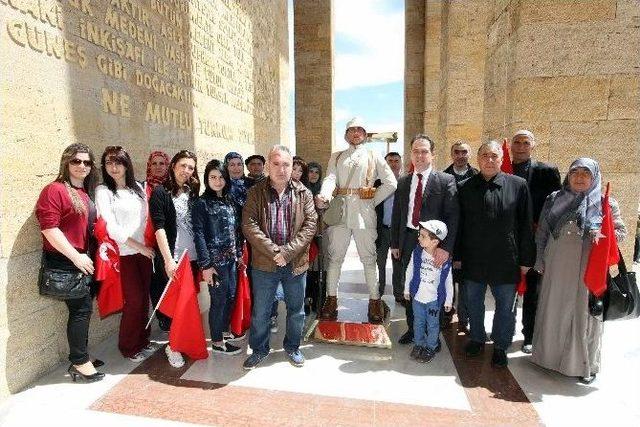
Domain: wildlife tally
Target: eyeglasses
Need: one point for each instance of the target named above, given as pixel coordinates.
(78, 162)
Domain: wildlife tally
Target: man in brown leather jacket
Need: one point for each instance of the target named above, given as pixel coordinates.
(279, 220)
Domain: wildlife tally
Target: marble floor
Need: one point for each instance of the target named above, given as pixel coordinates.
(340, 385)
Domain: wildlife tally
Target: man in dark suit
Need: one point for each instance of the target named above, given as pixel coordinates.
(542, 180)
(495, 245)
(422, 195)
(384, 211)
(461, 170)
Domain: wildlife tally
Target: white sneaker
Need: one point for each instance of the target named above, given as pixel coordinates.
(138, 357)
(174, 357)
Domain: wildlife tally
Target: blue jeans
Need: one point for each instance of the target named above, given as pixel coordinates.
(222, 298)
(265, 285)
(504, 319)
(279, 297)
(426, 323)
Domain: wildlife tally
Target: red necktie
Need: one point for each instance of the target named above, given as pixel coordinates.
(417, 202)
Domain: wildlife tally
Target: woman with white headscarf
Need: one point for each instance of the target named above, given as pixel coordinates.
(567, 338)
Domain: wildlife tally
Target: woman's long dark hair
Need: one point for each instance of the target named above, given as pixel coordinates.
(193, 183)
(304, 179)
(216, 165)
(90, 181)
(118, 154)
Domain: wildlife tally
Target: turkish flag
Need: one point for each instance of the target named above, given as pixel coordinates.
(149, 231)
(603, 254)
(180, 303)
(313, 251)
(522, 285)
(241, 315)
(506, 166)
(107, 271)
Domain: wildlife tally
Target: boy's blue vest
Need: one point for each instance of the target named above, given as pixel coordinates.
(415, 280)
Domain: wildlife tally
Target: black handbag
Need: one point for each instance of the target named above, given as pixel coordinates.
(62, 280)
(63, 284)
(621, 299)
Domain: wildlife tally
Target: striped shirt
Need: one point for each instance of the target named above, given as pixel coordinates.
(280, 216)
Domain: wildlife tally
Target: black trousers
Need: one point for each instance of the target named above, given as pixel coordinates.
(529, 306)
(79, 313)
(158, 282)
(78, 328)
(383, 242)
(460, 298)
(409, 245)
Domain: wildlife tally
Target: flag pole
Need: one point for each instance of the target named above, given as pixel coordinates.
(164, 292)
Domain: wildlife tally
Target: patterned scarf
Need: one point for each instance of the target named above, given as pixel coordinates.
(587, 205)
(152, 180)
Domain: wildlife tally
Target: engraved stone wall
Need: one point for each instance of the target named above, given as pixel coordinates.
(210, 76)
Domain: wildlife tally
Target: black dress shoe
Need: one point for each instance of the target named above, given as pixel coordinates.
(587, 380)
(75, 374)
(473, 348)
(463, 328)
(406, 338)
(499, 358)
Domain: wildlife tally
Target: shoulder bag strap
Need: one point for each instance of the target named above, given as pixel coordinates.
(351, 172)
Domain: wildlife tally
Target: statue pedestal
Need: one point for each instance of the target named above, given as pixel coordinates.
(352, 326)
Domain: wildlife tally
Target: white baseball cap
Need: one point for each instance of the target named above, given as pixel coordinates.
(438, 228)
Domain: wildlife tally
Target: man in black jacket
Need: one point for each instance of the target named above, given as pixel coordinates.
(384, 211)
(495, 244)
(542, 179)
(461, 170)
(435, 193)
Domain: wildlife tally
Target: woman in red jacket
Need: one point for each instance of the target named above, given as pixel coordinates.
(63, 210)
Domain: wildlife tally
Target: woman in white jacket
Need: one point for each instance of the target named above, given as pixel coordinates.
(122, 203)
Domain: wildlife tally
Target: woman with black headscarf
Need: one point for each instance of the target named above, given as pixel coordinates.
(314, 179)
(314, 182)
(567, 338)
(235, 168)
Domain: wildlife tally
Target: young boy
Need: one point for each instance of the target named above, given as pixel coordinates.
(428, 288)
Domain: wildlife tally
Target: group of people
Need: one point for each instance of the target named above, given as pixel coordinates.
(472, 228)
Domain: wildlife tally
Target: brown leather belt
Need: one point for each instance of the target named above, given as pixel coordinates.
(347, 191)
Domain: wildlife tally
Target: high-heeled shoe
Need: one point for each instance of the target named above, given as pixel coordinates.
(73, 371)
(96, 363)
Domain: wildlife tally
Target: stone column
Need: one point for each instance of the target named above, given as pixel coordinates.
(414, 44)
(313, 53)
(432, 71)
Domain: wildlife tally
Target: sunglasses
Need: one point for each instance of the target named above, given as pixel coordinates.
(78, 162)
